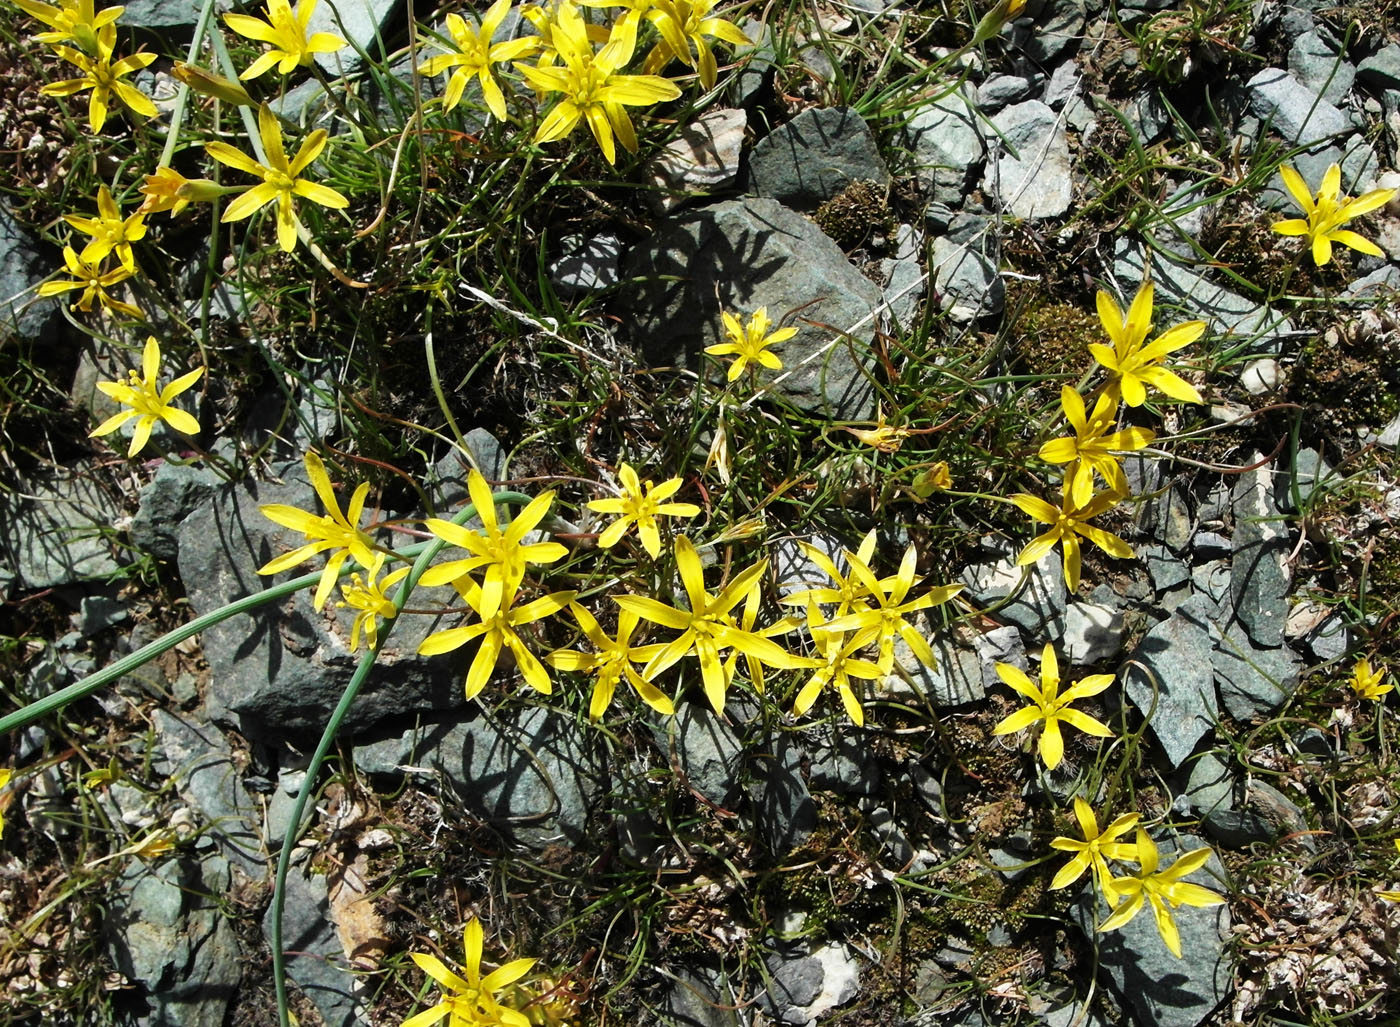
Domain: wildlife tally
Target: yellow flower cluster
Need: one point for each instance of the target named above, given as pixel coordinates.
(1133, 364)
(852, 624)
(1162, 890)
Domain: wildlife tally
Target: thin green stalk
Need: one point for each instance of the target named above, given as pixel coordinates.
(177, 116)
(427, 551)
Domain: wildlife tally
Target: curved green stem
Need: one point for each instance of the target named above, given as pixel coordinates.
(427, 551)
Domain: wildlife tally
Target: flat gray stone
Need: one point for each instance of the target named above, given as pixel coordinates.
(707, 751)
(699, 998)
(1259, 577)
(359, 22)
(169, 14)
(1294, 111)
(1382, 68)
(1030, 175)
(703, 157)
(955, 681)
(315, 959)
(1318, 65)
(199, 759)
(814, 156)
(24, 263)
(1038, 609)
(532, 771)
(1170, 674)
(742, 255)
(904, 278)
(56, 529)
(1093, 632)
(1311, 472)
(586, 264)
(1210, 787)
(1264, 814)
(1054, 34)
(1167, 570)
(965, 281)
(280, 670)
(803, 986)
(945, 138)
(783, 810)
(1254, 680)
(1190, 289)
(997, 91)
(166, 933)
(164, 502)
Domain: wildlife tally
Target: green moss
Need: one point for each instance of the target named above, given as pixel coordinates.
(855, 214)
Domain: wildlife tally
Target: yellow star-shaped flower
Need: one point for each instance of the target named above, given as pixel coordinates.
(1049, 707)
(1135, 363)
(1068, 522)
(1160, 889)
(1328, 212)
(472, 1001)
(280, 180)
(104, 77)
(750, 343)
(147, 402)
(111, 233)
(475, 57)
(334, 530)
(1366, 683)
(1096, 849)
(285, 29)
(640, 504)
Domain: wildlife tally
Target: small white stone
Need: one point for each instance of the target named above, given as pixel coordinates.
(1260, 376)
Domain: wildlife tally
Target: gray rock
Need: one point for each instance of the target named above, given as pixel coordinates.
(164, 502)
(1054, 34)
(1292, 109)
(814, 156)
(447, 482)
(1000, 645)
(703, 157)
(955, 681)
(56, 529)
(281, 804)
(1331, 639)
(169, 14)
(1166, 568)
(945, 139)
(1317, 63)
(1170, 676)
(794, 571)
(1148, 115)
(360, 23)
(1211, 786)
(904, 279)
(98, 613)
(803, 986)
(1038, 608)
(784, 812)
(1254, 680)
(891, 836)
(1030, 174)
(531, 771)
(24, 263)
(315, 959)
(1382, 68)
(1264, 815)
(1093, 632)
(586, 264)
(1211, 582)
(843, 763)
(705, 749)
(1161, 990)
(1314, 742)
(758, 62)
(1210, 545)
(1063, 85)
(965, 282)
(999, 90)
(1190, 289)
(699, 998)
(744, 254)
(200, 761)
(166, 934)
(1261, 376)
(281, 670)
(1259, 577)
